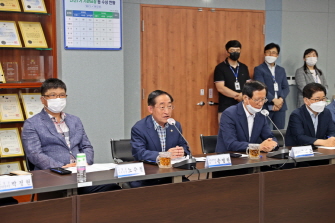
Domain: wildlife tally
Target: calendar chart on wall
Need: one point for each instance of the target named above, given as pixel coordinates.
(92, 25)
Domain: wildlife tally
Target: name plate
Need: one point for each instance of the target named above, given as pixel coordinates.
(129, 170)
(14, 183)
(301, 151)
(218, 160)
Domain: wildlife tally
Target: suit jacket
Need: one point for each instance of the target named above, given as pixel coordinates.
(234, 134)
(263, 74)
(302, 79)
(331, 108)
(46, 148)
(145, 140)
(300, 130)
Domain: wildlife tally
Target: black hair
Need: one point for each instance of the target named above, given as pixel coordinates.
(308, 51)
(52, 83)
(251, 86)
(153, 95)
(233, 43)
(272, 45)
(311, 88)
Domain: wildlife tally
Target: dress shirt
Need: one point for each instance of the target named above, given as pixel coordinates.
(316, 77)
(272, 70)
(250, 119)
(161, 132)
(315, 119)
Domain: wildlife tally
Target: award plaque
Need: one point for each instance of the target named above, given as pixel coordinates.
(10, 109)
(32, 68)
(33, 36)
(32, 104)
(10, 143)
(10, 5)
(2, 76)
(34, 6)
(6, 168)
(11, 72)
(9, 36)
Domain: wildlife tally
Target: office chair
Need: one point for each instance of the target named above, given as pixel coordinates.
(30, 167)
(208, 143)
(279, 137)
(121, 150)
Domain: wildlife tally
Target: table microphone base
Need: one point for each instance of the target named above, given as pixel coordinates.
(188, 164)
(280, 154)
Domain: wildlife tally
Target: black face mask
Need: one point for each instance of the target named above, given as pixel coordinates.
(234, 55)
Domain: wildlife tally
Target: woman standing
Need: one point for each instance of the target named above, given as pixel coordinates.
(309, 73)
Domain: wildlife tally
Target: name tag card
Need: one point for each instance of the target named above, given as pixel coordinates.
(301, 151)
(129, 170)
(14, 183)
(218, 160)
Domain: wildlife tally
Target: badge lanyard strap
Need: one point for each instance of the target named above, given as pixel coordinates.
(235, 74)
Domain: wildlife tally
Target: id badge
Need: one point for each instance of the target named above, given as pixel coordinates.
(275, 86)
(237, 86)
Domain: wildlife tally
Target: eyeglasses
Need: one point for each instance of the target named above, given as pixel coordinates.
(54, 96)
(271, 53)
(318, 99)
(162, 108)
(264, 100)
(233, 51)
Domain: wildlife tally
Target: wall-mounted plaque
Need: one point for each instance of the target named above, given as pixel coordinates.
(11, 71)
(6, 168)
(2, 75)
(33, 35)
(32, 103)
(34, 6)
(32, 68)
(10, 143)
(10, 108)
(9, 36)
(10, 5)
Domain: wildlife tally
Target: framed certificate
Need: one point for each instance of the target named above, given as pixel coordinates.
(2, 75)
(6, 168)
(34, 6)
(10, 108)
(32, 103)
(9, 36)
(10, 5)
(33, 35)
(10, 143)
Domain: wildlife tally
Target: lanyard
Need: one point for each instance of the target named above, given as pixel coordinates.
(235, 74)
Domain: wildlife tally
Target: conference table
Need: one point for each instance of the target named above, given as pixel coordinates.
(290, 195)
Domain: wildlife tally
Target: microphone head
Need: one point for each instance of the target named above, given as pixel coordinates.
(171, 121)
(265, 112)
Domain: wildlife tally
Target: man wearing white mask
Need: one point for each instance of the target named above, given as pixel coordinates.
(242, 124)
(312, 123)
(274, 77)
(53, 138)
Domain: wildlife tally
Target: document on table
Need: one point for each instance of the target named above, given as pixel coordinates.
(177, 160)
(325, 147)
(95, 167)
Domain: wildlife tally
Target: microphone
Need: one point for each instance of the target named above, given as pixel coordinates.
(282, 153)
(190, 163)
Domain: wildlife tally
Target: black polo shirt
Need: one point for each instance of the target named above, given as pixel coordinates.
(223, 72)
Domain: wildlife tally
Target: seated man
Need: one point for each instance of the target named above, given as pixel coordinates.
(311, 124)
(53, 138)
(153, 134)
(242, 124)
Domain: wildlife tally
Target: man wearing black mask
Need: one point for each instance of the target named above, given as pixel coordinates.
(230, 77)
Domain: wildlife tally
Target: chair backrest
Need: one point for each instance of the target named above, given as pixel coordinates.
(30, 165)
(208, 143)
(121, 150)
(279, 137)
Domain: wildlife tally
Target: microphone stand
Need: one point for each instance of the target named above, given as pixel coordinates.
(188, 164)
(282, 153)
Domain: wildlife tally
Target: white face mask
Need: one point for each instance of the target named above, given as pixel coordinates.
(311, 61)
(270, 59)
(318, 106)
(56, 105)
(253, 110)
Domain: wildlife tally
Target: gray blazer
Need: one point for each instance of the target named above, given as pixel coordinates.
(302, 79)
(46, 148)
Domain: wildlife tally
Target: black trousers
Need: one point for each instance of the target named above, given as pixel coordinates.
(7, 201)
(99, 188)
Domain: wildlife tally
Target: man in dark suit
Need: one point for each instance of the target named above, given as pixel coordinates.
(242, 124)
(53, 138)
(274, 77)
(153, 134)
(312, 123)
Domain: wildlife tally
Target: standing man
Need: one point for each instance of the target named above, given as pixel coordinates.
(311, 124)
(230, 77)
(274, 77)
(53, 138)
(153, 134)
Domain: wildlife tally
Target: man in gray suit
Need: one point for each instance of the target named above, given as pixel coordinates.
(53, 138)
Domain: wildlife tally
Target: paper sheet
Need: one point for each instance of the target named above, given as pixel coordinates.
(95, 167)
